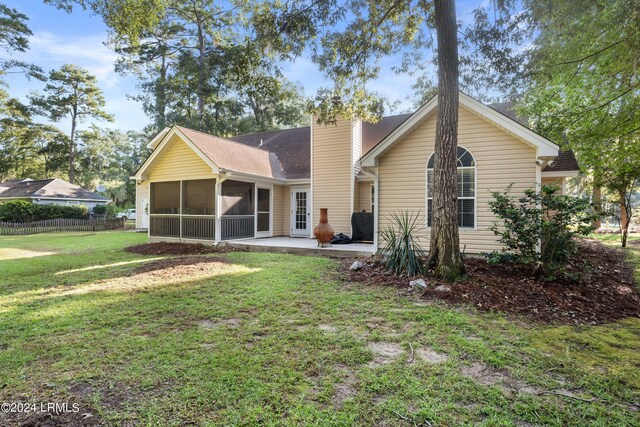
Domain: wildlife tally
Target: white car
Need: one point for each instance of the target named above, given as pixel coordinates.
(127, 214)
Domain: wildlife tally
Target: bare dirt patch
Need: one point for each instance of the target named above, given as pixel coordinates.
(485, 375)
(328, 328)
(384, 353)
(598, 287)
(12, 253)
(429, 355)
(163, 272)
(345, 388)
(169, 248)
(213, 324)
(179, 264)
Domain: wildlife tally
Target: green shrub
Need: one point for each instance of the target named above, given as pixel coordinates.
(99, 209)
(23, 211)
(402, 252)
(539, 229)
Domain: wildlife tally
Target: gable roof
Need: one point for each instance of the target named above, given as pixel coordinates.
(47, 189)
(219, 153)
(545, 148)
(234, 156)
(286, 153)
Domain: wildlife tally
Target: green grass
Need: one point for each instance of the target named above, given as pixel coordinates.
(291, 346)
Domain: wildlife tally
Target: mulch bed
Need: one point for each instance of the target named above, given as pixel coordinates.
(169, 248)
(598, 287)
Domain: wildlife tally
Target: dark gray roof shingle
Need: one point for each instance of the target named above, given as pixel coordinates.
(47, 188)
(293, 146)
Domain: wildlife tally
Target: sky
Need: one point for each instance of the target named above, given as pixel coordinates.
(79, 38)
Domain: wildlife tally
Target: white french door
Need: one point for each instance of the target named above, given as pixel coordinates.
(300, 212)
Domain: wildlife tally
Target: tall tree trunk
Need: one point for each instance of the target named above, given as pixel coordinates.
(444, 251)
(596, 200)
(201, 66)
(72, 146)
(624, 219)
(161, 93)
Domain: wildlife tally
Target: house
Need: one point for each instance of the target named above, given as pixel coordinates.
(49, 191)
(196, 186)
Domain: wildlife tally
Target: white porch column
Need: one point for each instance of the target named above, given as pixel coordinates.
(218, 195)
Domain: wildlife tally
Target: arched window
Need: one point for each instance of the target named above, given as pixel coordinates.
(466, 184)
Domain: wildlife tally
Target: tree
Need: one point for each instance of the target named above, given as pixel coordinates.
(14, 36)
(200, 68)
(348, 55)
(582, 88)
(125, 17)
(73, 93)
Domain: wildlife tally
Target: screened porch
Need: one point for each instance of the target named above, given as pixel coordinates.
(205, 209)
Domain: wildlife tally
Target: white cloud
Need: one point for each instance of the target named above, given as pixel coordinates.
(51, 50)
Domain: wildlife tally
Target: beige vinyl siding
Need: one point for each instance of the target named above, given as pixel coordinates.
(286, 210)
(500, 158)
(363, 196)
(278, 208)
(142, 191)
(332, 174)
(356, 146)
(179, 161)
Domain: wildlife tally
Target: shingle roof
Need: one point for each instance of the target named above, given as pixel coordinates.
(373, 133)
(47, 188)
(287, 153)
(508, 109)
(293, 146)
(234, 156)
(566, 161)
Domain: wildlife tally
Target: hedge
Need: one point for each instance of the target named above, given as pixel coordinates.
(23, 211)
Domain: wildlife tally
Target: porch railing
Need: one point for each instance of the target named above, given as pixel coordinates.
(199, 227)
(164, 225)
(237, 226)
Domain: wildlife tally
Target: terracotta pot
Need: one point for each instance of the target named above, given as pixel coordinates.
(324, 231)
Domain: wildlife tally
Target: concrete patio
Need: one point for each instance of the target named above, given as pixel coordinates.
(301, 246)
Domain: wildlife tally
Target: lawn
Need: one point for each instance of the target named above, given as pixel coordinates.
(271, 339)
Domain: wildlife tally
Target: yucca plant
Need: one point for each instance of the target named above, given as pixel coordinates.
(402, 251)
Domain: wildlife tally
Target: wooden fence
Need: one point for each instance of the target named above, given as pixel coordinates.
(59, 225)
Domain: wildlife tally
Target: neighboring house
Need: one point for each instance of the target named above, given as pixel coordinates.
(196, 186)
(49, 191)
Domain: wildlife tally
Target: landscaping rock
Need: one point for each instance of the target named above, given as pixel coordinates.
(418, 283)
(357, 265)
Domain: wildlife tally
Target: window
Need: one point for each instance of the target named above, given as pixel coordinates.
(466, 185)
(372, 197)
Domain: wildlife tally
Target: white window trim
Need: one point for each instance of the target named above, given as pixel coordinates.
(475, 192)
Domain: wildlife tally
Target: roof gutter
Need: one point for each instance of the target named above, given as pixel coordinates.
(252, 176)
